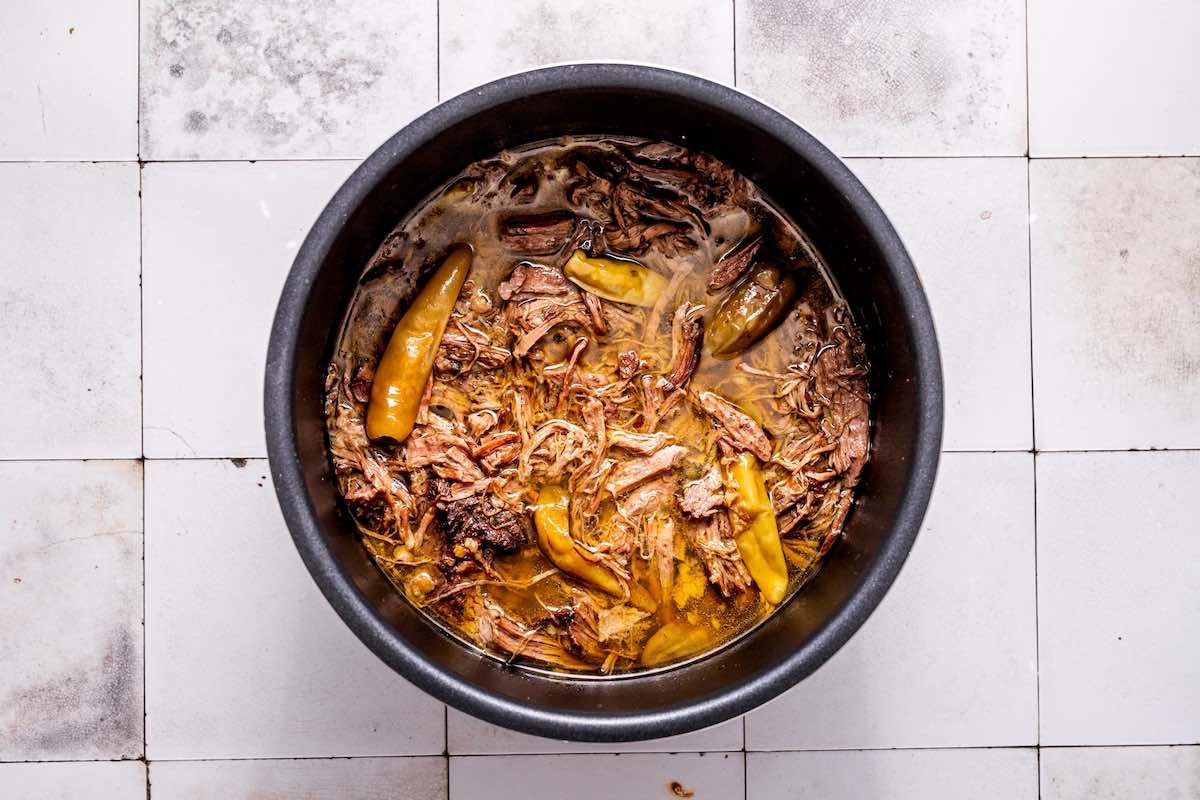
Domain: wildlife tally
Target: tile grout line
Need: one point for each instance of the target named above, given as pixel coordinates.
(142, 393)
(733, 10)
(437, 79)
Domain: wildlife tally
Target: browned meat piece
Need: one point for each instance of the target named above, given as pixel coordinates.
(596, 312)
(703, 497)
(360, 385)
(533, 278)
(480, 422)
(484, 520)
(458, 353)
(447, 453)
(498, 629)
(660, 151)
(628, 363)
(840, 376)
(737, 427)
(541, 234)
(790, 491)
(641, 443)
(494, 441)
(712, 539)
(733, 265)
(648, 497)
(687, 335)
(501, 456)
(630, 473)
(539, 316)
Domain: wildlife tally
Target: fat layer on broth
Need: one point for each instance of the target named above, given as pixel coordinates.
(644, 418)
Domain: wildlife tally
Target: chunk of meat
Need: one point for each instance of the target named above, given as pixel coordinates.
(648, 497)
(628, 363)
(840, 377)
(448, 454)
(458, 353)
(737, 427)
(631, 473)
(687, 335)
(733, 265)
(704, 496)
(540, 234)
(484, 520)
(530, 278)
(641, 443)
(553, 316)
(480, 422)
(712, 539)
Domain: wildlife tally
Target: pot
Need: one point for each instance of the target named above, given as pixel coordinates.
(868, 262)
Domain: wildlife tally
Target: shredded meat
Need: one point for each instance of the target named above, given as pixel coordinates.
(545, 233)
(628, 363)
(704, 496)
(737, 427)
(648, 497)
(631, 473)
(733, 265)
(713, 541)
(642, 443)
(687, 335)
(530, 278)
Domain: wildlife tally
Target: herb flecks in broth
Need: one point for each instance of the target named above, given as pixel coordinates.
(617, 410)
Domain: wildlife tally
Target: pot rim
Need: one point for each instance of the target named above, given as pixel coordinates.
(353, 607)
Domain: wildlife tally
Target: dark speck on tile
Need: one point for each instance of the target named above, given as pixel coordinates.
(224, 36)
(238, 462)
(176, 70)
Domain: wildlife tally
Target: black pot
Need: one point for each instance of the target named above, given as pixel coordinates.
(868, 261)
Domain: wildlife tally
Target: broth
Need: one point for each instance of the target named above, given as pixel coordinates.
(643, 422)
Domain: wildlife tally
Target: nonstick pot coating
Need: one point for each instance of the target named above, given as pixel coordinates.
(867, 260)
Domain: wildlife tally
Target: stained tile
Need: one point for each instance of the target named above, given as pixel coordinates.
(68, 81)
(949, 657)
(482, 40)
(310, 778)
(1120, 79)
(275, 79)
(218, 241)
(71, 600)
(69, 310)
(964, 222)
(1118, 598)
(245, 658)
(598, 777)
(932, 77)
(1088, 773)
(470, 736)
(1116, 275)
(65, 780)
(991, 774)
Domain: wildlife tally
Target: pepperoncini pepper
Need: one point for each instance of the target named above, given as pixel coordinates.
(752, 518)
(619, 281)
(552, 519)
(408, 361)
(755, 304)
(673, 641)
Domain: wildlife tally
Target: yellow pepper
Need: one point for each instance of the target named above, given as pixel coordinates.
(408, 361)
(754, 528)
(552, 519)
(674, 641)
(755, 304)
(619, 281)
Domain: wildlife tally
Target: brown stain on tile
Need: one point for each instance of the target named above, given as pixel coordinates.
(93, 706)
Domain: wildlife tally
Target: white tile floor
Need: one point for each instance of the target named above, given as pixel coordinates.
(1044, 638)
